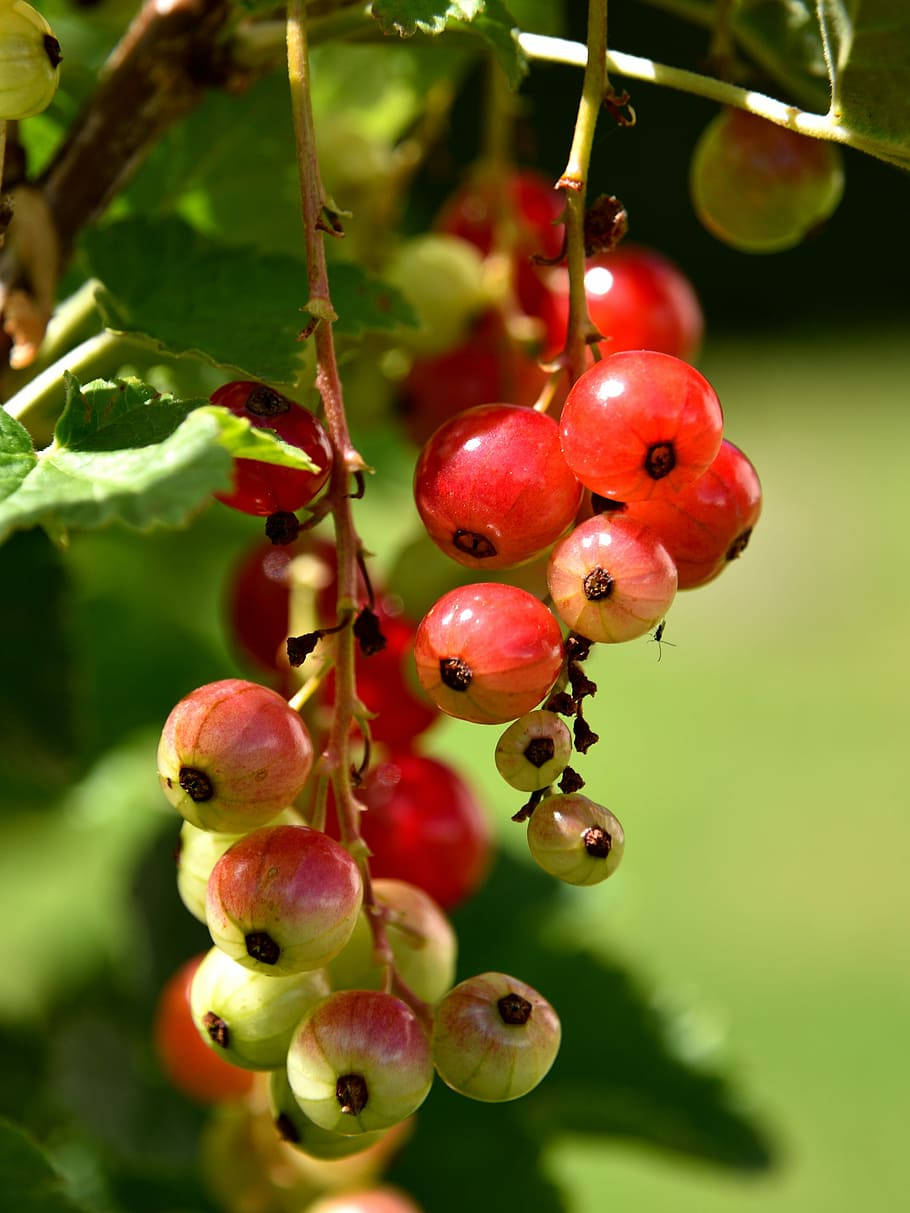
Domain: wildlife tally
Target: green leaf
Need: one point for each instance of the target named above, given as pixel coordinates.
(95, 481)
(237, 306)
(28, 1182)
(17, 455)
(872, 80)
(490, 19)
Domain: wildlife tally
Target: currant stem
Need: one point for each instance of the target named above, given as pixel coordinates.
(336, 760)
(574, 183)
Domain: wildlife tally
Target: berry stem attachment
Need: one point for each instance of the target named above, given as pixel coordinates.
(574, 181)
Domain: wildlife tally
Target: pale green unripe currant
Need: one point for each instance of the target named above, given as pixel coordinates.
(494, 1038)
(575, 839)
(533, 751)
(296, 1128)
(29, 61)
(421, 938)
(249, 1018)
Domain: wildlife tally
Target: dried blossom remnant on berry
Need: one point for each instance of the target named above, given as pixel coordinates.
(571, 781)
(598, 843)
(514, 1010)
(286, 1129)
(660, 460)
(263, 402)
(739, 544)
(473, 544)
(581, 683)
(455, 673)
(578, 647)
(282, 528)
(583, 735)
(300, 647)
(217, 1029)
(369, 633)
(598, 585)
(352, 1094)
(540, 750)
(261, 946)
(196, 784)
(53, 51)
(562, 703)
(606, 224)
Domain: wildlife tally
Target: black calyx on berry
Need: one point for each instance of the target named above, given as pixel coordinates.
(217, 1029)
(263, 402)
(455, 673)
(472, 544)
(540, 750)
(261, 946)
(598, 584)
(368, 633)
(514, 1010)
(300, 647)
(739, 544)
(196, 784)
(52, 50)
(583, 735)
(597, 842)
(282, 528)
(660, 460)
(352, 1094)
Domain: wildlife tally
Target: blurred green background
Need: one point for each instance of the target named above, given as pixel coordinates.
(757, 928)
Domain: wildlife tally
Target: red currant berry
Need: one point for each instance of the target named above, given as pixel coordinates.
(492, 487)
(640, 424)
(283, 899)
(709, 522)
(258, 602)
(232, 755)
(189, 1065)
(248, 1018)
(298, 1130)
(611, 579)
(488, 652)
(265, 488)
(575, 839)
(760, 187)
(533, 751)
(494, 1038)
(424, 826)
(419, 934)
(360, 1061)
(371, 1200)
(530, 203)
(639, 301)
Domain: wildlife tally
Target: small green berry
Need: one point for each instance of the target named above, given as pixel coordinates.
(533, 751)
(29, 61)
(575, 839)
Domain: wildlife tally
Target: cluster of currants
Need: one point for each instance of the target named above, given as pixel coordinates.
(292, 984)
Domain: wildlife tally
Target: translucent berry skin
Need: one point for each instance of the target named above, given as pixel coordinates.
(575, 839)
(420, 936)
(487, 652)
(637, 299)
(284, 899)
(479, 1053)
(611, 579)
(640, 424)
(191, 1067)
(424, 826)
(249, 1019)
(298, 1130)
(708, 524)
(759, 187)
(29, 61)
(533, 751)
(371, 1038)
(265, 488)
(492, 487)
(232, 755)
(372, 1200)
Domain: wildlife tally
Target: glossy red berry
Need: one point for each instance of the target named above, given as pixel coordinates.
(639, 425)
(265, 488)
(611, 579)
(232, 755)
(529, 202)
(488, 652)
(709, 522)
(359, 1062)
(189, 1065)
(283, 899)
(494, 1038)
(575, 839)
(424, 826)
(492, 487)
(637, 299)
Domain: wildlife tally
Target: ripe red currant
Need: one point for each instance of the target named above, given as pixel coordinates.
(492, 487)
(424, 826)
(760, 187)
(575, 839)
(640, 424)
(188, 1064)
(265, 488)
(611, 579)
(249, 1018)
(637, 299)
(419, 934)
(360, 1061)
(709, 522)
(488, 652)
(283, 899)
(494, 1038)
(533, 751)
(232, 755)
